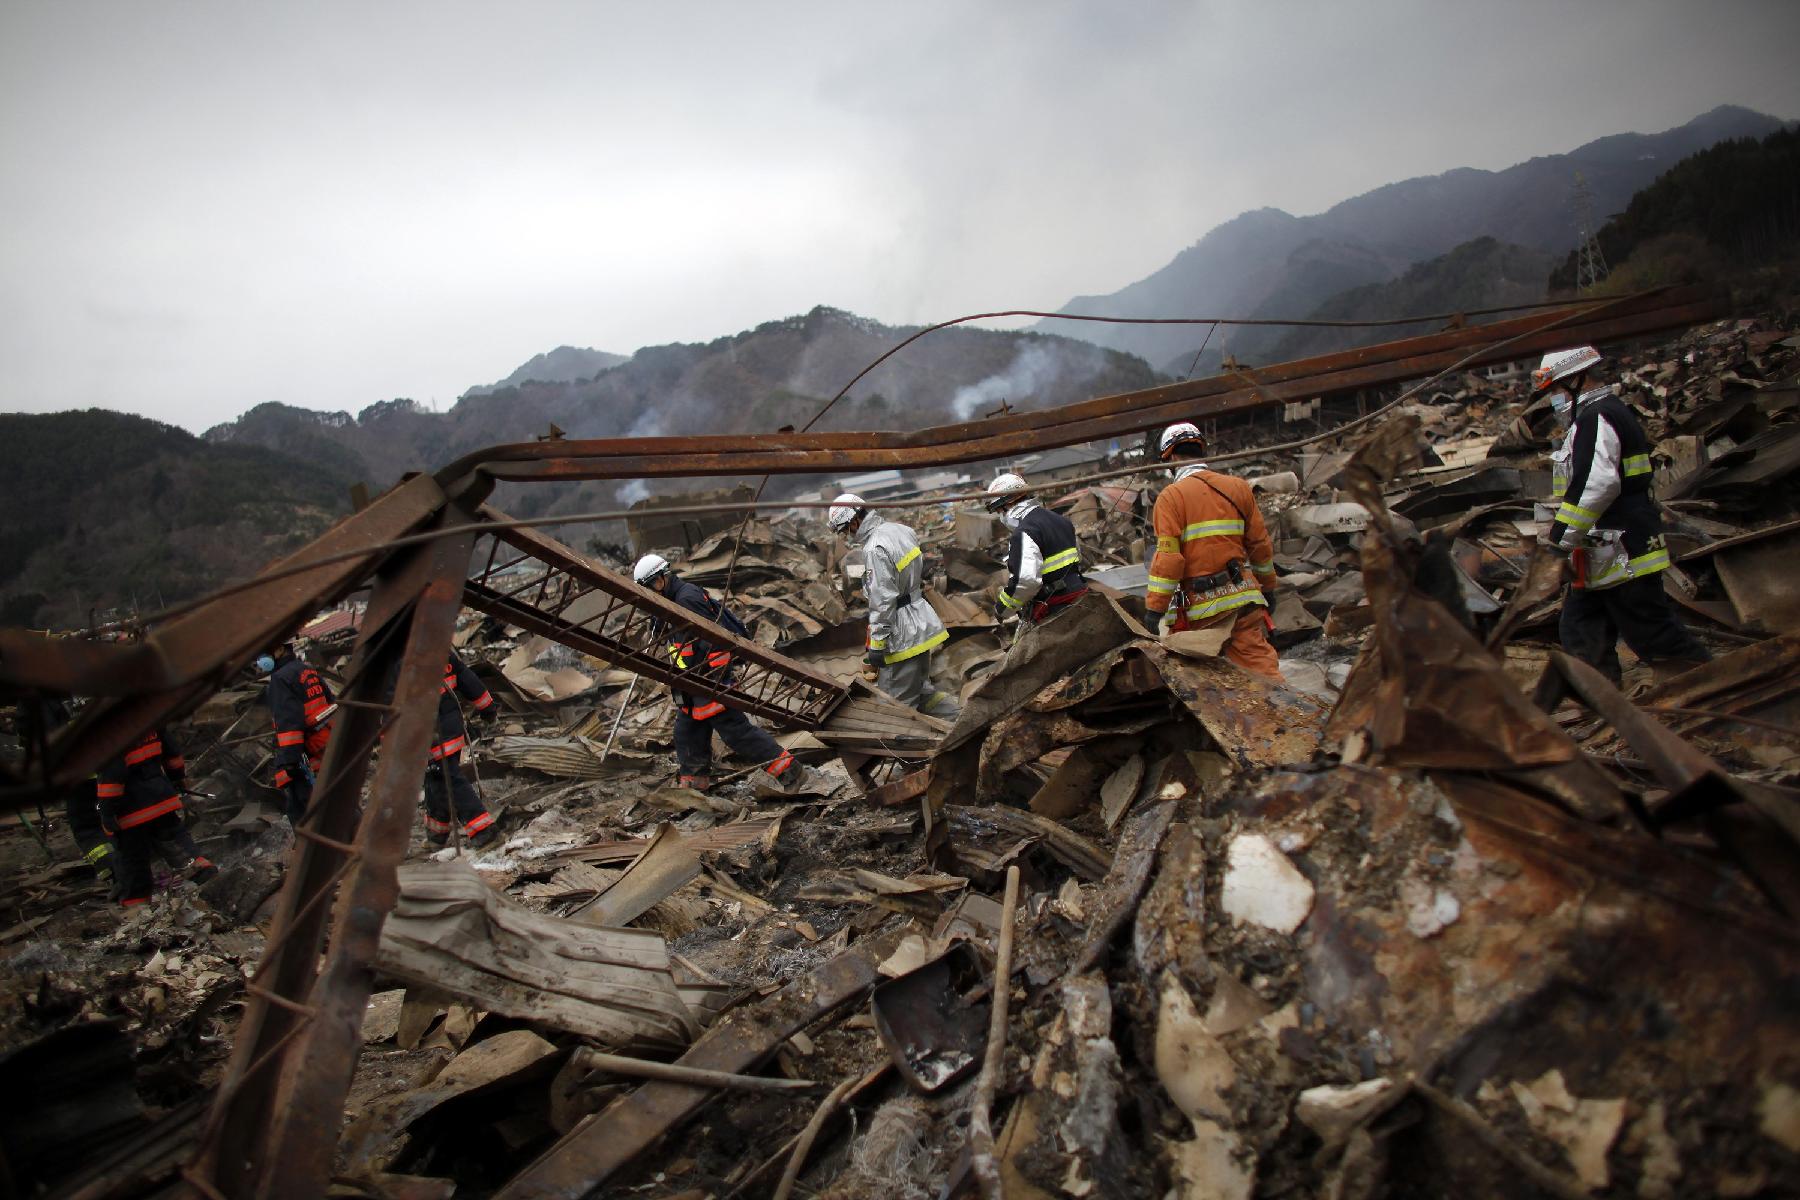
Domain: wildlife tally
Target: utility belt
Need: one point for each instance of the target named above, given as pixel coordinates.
(907, 598)
(1219, 583)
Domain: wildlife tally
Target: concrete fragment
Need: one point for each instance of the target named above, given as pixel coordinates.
(1429, 910)
(1211, 1166)
(1344, 517)
(1585, 1129)
(1334, 1111)
(1262, 887)
(1778, 1115)
(1660, 1165)
(1194, 1067)
(381, 1020)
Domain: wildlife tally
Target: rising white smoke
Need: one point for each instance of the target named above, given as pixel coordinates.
(1033, 369)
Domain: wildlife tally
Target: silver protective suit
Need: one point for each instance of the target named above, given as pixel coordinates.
(902, 626)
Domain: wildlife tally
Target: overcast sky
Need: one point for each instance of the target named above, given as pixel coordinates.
(204, 206)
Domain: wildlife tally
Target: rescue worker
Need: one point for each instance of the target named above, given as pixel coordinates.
(1609, 526)
(38, 719)
(300, 708)
(903, 628)
(140, 805)
(1214, 561)
(1043, 559)
(697, 718)
(445, 784)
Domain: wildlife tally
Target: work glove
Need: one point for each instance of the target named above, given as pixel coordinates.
(1166, 626)
(483, 716)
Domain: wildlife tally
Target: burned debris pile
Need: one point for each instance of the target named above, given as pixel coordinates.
(1448, 913)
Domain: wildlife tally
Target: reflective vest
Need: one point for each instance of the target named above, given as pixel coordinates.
(1605, 514)
(1212, 547)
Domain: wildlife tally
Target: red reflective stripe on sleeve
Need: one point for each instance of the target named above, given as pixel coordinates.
(704, 711)
(446, 749)
(143, 816)
(717, 659)
(143, 753)
(292, 737)
(282, 778)
(484, 700)
(476, 824)
(176, 763)
(107, 791)
(781, 764)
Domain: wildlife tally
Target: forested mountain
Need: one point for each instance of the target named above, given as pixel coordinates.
(565, 364)
(1267, 263)
(105, 510)
(777, 374)
(1740, 200)
(1484, 273)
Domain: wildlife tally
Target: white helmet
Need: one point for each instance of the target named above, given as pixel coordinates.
(1004, 491)
(1562, 364)
(648, 568)
(1179, 434)
(843, 511)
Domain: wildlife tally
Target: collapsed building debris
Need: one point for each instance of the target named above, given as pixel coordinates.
(1445, 916)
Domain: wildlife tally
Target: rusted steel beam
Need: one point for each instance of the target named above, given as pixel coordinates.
(236, 1150)
(1107, 416)
(178, 665)
(316, 1074)
(182, 663)
(616, 623)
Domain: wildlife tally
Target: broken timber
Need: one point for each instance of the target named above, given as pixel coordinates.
(276, 1122)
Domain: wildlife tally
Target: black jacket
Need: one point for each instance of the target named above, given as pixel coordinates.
(691, 652)
(300, 708)
(452, 733)
(144, 783)
(1056, 568)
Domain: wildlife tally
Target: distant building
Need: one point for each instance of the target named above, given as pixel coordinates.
(649, 531)
(1066, 462)
(873, 485)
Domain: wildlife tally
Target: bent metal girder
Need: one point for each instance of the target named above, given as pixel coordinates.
(546, 587)
(277, 1116)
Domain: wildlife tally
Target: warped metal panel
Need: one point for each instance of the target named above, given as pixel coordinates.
(548, 588)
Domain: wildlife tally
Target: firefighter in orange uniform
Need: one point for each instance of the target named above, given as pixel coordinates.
(300, 708)
(1214, 562)
(445, 784)
(140, 807)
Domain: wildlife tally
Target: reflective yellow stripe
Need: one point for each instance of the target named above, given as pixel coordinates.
(1643, 564)
(906, 559)
(1159, 584)
(1264, 568)
(1576, 517)
(1061, 559)
(1637, 464)
(877, 643)
(931, 643)
(1168, 545)
(1212, 608)
(1206, 529)
(1006, 599)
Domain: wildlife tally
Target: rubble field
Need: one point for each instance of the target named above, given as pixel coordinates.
(1448, 915)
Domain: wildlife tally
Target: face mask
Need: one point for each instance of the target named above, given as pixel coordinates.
(1562, 405)
(265, 663)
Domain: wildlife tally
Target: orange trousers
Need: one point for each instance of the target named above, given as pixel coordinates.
(1248, 645)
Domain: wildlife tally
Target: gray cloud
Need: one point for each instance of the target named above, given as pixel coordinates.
(204, 206)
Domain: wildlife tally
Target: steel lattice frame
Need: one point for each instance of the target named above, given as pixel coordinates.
(275, 1124)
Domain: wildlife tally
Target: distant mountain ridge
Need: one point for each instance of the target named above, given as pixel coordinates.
(1266, 258)
(565, 364)
(107, 510)
(775, 375)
